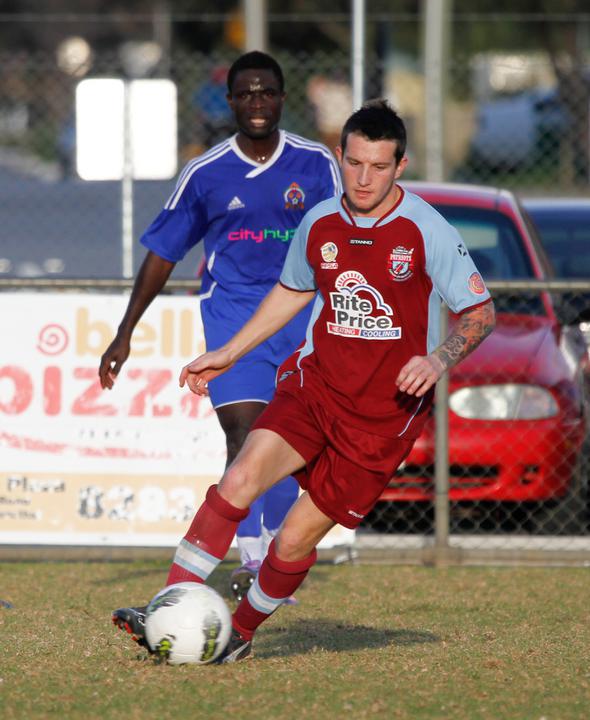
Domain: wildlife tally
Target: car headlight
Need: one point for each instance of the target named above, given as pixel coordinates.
(503, 402)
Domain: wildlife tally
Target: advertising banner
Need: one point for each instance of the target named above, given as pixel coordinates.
(83, 466)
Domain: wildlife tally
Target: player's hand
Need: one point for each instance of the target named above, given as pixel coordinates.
(204, 368)
(112, 361)
(419, 374)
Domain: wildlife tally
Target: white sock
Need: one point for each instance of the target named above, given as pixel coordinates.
(251, 549)
(266, 539)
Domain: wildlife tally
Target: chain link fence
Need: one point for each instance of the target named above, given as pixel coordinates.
(518, 118)
(516, 465)
(53, 223)
(515, 118)
(502, 469)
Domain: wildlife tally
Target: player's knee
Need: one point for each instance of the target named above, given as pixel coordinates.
(292, 545)
(239, 484)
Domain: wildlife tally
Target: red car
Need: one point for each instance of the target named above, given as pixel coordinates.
(516, 419)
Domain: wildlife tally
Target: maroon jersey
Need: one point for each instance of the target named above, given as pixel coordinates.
(380, 284)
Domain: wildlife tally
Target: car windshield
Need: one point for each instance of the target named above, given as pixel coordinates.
(493, 242)
(565, 233)
(498, 251)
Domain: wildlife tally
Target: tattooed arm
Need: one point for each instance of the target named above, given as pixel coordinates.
(421, 372)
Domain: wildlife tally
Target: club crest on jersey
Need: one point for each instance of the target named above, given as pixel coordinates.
(329, 252)
(401, 263)
(294, 197)
(360, 310)
(476, 284)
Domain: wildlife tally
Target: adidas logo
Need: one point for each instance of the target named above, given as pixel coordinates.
(235, 204)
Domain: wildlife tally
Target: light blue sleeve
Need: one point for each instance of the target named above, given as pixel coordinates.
(449, 265)
(297, 273)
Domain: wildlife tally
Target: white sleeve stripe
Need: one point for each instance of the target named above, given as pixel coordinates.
(336, 179)
(312, 146)
(212, 151)
(177, 194)
(209, 293)
(189, 166)
(195, 164)
(300, 140)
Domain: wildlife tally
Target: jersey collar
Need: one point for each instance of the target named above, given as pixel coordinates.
(258, 168)
(370, 222)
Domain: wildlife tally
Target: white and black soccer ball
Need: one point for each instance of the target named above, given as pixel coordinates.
(187, 623)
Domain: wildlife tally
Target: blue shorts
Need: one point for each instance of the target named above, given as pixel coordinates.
(253, 377)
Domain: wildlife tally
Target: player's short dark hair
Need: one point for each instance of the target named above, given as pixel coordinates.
(377, 120)
(255, 60)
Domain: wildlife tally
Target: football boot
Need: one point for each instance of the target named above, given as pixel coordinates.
(132, 620)
(238, 648)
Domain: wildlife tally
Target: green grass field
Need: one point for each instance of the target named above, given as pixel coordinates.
(366, 641)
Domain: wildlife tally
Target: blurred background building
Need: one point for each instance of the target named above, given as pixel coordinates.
(515, 96)
(493, 93)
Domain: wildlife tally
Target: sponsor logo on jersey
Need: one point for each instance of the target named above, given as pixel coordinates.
(235, 203)
(329, 252)
(476, 284)
(294, 197)
(360, 241)
(360, 311)
(401, 263)
(284, 375)
(355, 514)
(261, 235)
(461, 249)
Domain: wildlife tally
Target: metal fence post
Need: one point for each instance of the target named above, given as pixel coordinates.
(436, 31)
(441, 458)
(127, 187)
(358, 58)
(256, 21)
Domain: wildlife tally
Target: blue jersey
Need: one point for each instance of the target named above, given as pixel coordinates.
(246, 214)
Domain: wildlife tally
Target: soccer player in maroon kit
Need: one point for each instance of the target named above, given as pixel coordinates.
(376, 261)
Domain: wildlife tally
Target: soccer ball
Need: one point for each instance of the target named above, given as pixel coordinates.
(187, 623)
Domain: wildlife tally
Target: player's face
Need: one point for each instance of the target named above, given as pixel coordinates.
(257, 101)
(369, 172)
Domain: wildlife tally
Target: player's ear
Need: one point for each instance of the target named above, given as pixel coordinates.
(339, 154)
(401, 166)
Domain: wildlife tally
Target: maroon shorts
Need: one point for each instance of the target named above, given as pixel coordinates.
(346, 468)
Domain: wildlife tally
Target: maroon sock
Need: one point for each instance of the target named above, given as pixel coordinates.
(207, 540)
(276, 581)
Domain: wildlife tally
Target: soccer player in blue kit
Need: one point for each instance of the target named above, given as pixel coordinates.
(243, 198)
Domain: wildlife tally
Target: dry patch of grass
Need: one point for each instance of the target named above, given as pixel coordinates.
(364, 642)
